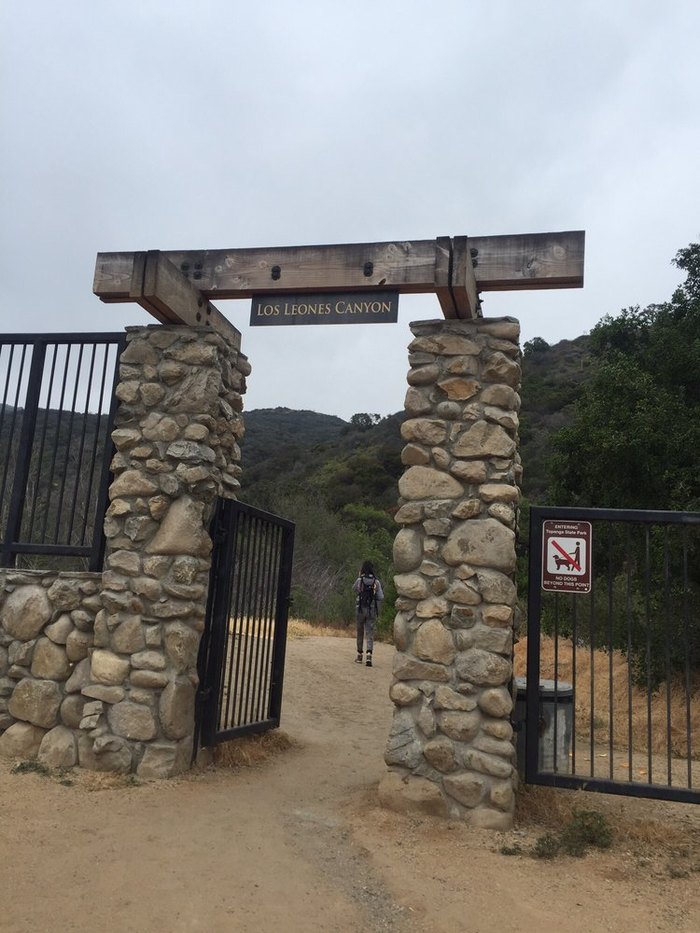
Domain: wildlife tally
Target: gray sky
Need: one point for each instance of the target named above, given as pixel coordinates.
(146, 124)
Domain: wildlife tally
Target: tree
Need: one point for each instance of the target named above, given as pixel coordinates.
(633, 444)
(536, 345)
(636, 432)
(363, 421)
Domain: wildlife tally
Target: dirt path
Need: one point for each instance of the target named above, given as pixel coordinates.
(299, 843)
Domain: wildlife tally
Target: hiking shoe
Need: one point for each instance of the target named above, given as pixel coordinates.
(358, 659)
(368, 662)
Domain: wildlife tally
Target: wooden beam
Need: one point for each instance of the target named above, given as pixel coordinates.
(531, 260)
(443, 271)
(408, 267)
(456, 269)
(162, 290)
(463, 282)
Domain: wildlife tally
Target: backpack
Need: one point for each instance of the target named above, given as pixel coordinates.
(368, 592)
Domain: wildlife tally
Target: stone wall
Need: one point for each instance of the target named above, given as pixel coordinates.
(177, 430)
(450, 750)
(46, 632)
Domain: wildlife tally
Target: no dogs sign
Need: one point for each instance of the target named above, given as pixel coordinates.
(566, 556)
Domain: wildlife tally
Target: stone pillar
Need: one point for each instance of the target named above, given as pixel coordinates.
(176, 435)
(450, 750)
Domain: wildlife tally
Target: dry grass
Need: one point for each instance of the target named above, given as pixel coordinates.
(604, 665)
(549, 808)
(299, 628)
(102, 780)
(252, 751)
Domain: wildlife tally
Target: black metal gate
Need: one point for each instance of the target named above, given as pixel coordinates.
(57, 408)
(241, 659)
(612, 696)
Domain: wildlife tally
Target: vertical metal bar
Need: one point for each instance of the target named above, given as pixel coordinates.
(611, 642)
(574, 649)
(280, 644)
(628, 618)
(686, 639)
(647, 618)
(4, 408)
(262, 583)
(57, 435)
(81, 451)
(98, 536)
(253, 617)
(534, 611)
(269, 579)
(96, 441)
(59, 427)
(276, 557)
(29, 532)
(19, 484)
(667, 641)
(234, 531)
(592, 646)
(556, 683)
(220, 577)
(250, 622)
(243, 627)
(241, 585)
(69, 440)
(13, 421)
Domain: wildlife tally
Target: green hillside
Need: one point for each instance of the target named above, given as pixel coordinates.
(359, 462)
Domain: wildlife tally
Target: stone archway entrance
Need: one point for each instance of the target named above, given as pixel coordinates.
(450, 747)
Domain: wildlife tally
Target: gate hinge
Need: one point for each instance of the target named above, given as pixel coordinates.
(219, 535)
(203, 695)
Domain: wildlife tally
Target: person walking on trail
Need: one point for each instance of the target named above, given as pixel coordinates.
(370, 594)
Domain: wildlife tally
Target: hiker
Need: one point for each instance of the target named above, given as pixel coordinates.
(368, 604)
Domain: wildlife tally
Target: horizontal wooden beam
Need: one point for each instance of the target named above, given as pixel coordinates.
(162, 290)
(528, 260)
(456, 269)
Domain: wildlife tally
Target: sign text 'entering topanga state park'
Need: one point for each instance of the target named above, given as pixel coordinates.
(328, 308)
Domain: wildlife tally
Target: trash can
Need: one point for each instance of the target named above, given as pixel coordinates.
(559, 702)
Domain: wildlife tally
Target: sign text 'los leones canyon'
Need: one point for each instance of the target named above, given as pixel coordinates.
(328, 308)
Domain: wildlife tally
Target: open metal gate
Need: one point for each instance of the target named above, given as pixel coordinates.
(241, 658)
(611, 701)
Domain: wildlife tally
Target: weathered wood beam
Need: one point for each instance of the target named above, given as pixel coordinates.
(443, 271)
(529, 260)
(162, 290)
(456, 269)
(463, 281)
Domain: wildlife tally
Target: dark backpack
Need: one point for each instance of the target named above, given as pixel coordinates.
(368, 591)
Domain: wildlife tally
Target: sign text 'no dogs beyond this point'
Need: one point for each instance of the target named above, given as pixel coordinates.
(326, 308)
(566, 556)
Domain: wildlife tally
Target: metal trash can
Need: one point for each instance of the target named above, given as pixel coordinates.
(563, 708)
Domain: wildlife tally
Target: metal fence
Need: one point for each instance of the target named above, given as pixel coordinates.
(241, 661)
(57, 409)
(612, 694)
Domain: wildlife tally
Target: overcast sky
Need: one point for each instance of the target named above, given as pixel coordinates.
(160, 124)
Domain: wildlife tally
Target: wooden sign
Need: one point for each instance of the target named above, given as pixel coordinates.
(377, 307)
(566, 556)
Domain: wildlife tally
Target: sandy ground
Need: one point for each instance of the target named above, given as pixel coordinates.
(299, 843)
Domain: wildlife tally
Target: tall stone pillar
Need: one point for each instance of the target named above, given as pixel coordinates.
(450, 750)
(176, 434)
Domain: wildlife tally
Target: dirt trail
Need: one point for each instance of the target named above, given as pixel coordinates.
(300, 844)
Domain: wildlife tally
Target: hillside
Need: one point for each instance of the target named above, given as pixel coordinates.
(361, 462)
(552, 380)
(284, 450)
